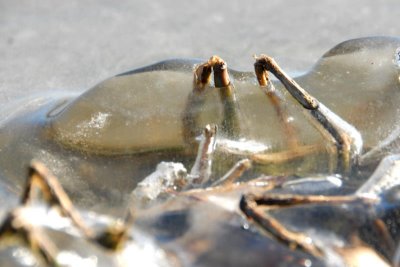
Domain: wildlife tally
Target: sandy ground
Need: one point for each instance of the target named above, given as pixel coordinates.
(72, 45)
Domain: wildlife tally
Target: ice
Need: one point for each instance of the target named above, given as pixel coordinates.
(168, 176)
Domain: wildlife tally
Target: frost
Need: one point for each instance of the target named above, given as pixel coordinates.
(69, 258)
(169, 176)
(397, 57)
(143, 253)
(241, 146)
(24, 257)
(97, 122)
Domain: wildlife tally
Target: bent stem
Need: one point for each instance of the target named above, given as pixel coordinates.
(201, 170)
(17, 223)
(256, 208)
(277, 102)
(234, 173)
(201, 78)
(53, 193)
(348, 140)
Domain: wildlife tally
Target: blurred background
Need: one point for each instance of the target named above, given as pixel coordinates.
(72, 45)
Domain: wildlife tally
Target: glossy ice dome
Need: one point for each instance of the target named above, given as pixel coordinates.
(108, 139)
(142, 111)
